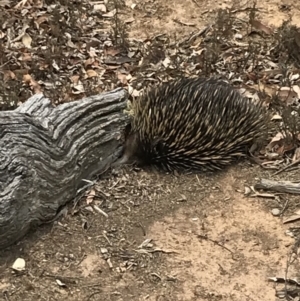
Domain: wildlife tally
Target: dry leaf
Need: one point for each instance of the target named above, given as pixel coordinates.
(71, 44)
(133, 92)
(32, 83)
(130, 20)
(122, 78)
(166, 62)
(26, 57)
(4, 2)
(279, 145)
(7, 75)
(110, 14)
(261, 27)
(2, 34)
(74, 79)
(91, 196)
(261, 87)
(21, 4)
(89, 61)
(275, 140)
(292, 218)
(100, 7)
(112, 51)
(78, 88)
(129, 77)
(27, 78)
(91, 73)
(287, 95)
(296, 89)
(294, 76)
(40, 20)
(296, 157)
(26, 40)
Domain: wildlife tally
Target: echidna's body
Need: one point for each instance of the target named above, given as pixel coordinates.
(198, 124)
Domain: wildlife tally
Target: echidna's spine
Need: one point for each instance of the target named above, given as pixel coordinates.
(194, 124)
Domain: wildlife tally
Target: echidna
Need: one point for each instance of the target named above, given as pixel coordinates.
(195, 124)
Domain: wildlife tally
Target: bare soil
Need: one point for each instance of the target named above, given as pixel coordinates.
(165, 237)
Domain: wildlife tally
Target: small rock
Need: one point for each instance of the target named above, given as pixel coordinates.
(19, 265)
(103, 250)
(238, 36)
(275, 211)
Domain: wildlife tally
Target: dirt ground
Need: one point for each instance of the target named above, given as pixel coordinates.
(161, 237)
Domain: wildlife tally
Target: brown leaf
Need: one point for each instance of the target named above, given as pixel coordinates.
(26, 57)
(130, 20)
(100, 7)
(32, 83)
(40, 20)
(296, 156)
(89, 61)
(90, 196)
(74, 79)
(8, 75)
(261, 87)
(2, 34)
(288, 95)
(110, 14)
(26, 40)
(21, 4)
(292, 218)
(112, 51)
(4, 3)
(278, 144)
(122, 78)
(91, 73)
(261, 27)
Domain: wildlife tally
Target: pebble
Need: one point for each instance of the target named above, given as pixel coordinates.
(275, 211)
(19, 265)
(238, 36)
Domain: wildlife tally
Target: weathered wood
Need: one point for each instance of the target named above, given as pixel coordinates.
(278, 186)
(46, 152)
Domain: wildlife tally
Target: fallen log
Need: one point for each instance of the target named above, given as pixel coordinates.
(46, 152)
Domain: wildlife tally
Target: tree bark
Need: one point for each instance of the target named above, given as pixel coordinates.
(47, 151)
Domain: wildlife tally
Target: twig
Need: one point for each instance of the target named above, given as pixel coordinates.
(191, 38)
(93, 294)
(284, 207)
(287, 166)
(196, 3)
(217, 243)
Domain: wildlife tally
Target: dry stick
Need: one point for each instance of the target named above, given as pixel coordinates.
(196, 3)
(217, 243)
(93, 294)
(284, 207)
(287, 166)
(278, 186)
(288, 262)
(191, 38)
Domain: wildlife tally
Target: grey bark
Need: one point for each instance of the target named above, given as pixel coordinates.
(278, 186)
(47, 151)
